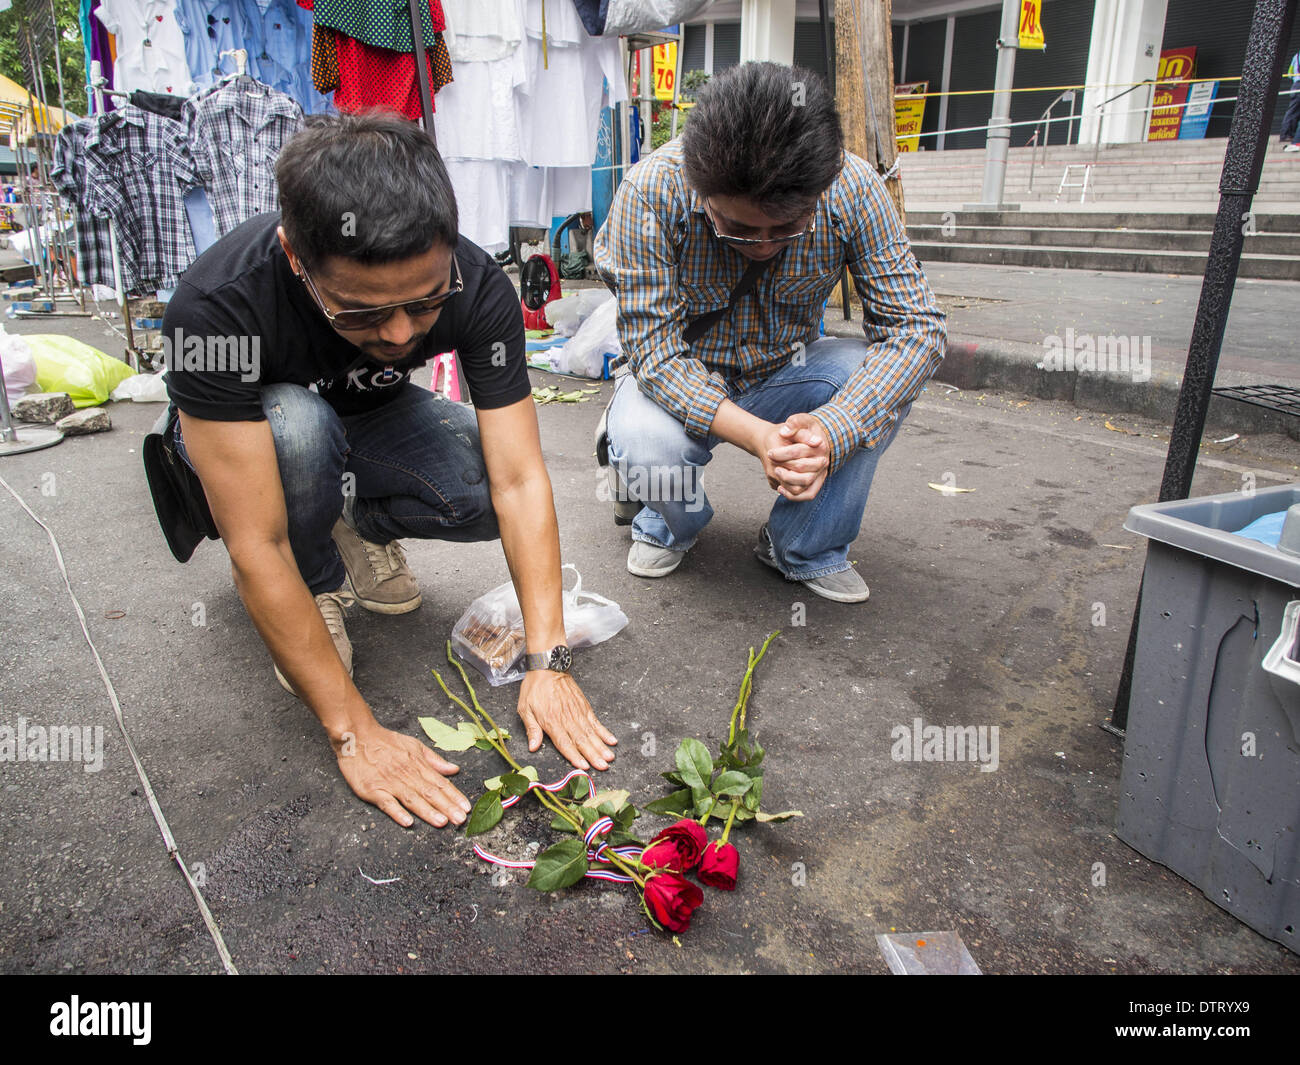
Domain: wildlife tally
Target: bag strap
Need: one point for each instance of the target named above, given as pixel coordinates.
(697, 327)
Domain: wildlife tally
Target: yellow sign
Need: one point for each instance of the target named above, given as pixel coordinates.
(909, 112)
(1031, 24)
(665, 70)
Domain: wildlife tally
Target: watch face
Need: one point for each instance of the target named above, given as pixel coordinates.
(561, 659)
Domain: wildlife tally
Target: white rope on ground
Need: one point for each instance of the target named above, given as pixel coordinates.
(172, 851)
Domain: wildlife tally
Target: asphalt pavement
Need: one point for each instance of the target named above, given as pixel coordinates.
(981, 613)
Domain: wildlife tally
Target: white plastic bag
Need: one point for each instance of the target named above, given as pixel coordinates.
(567, 314)
(142, 388)
(490, 634)
(585, 351)
(19, 365)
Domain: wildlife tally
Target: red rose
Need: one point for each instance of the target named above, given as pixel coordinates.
(677, 848)
(671, 900)
(719, 866)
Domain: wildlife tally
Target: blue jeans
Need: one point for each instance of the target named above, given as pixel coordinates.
(660, 464)
(414, 466)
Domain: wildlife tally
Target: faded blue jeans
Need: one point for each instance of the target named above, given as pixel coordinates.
(414, 466)
(660, 464)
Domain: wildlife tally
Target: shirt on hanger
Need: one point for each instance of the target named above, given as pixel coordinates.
(150, 46)
(483, 30)
(211, 28)
(476, 118)
(384, 25)
(379, 77)
(235, 134)
(558, 108)
(138, 170)
(279, 37)
(94, 245)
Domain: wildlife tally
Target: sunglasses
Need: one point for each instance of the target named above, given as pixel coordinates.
(748, 242)
(369, 317)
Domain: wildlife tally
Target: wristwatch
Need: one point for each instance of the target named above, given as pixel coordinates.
(559, 659)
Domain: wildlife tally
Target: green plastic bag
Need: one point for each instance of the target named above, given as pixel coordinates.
(84, 373)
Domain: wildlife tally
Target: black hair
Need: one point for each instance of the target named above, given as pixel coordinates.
(368, 187)
(766, 132)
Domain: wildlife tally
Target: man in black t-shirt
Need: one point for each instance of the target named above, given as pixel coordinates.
(289, 345)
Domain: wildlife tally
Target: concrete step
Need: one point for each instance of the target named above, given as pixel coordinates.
(1265, 222)
(1145, 240)
(1273, 268)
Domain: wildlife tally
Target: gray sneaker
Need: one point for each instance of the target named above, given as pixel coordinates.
(843, 587)
(646, 560)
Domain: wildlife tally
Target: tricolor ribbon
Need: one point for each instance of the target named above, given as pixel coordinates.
(597, 849)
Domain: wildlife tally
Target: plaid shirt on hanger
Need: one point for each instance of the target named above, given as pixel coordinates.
(658, 248)
(94, 244)
(235, 134)
(138, 170)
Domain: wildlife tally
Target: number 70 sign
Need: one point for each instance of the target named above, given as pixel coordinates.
(665, 70)
(1031, 24)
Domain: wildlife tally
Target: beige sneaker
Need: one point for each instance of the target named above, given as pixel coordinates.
(330, 605)
(377, 573)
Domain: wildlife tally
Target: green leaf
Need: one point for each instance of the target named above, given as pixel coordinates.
(676, 804)
(785, 815)
(694, 763)
(742, 814)
(483, 745)
(495, 783)
(626, 815)
(559, 866)
(674, 778)
(561, 825)
(615, 797)
(619, 838)
(513, 784)
(704, 802)
(754, 796)
(486, 813)
(444, 737)
(732, 783)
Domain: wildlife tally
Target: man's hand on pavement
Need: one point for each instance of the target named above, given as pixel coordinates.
(398, 773)
(796, 457)
(552, 703)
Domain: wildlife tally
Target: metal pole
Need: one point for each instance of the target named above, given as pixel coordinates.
(421, 67)
(999, 135)
(1261, 73)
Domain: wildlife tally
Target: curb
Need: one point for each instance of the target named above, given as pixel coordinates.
(975, 363)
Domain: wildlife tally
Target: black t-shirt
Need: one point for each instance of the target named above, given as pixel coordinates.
(240, 320)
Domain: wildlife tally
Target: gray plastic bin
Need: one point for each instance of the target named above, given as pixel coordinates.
(1210, 785)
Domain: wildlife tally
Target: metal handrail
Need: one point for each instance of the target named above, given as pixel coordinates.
(1101, 113)
(1045, 120)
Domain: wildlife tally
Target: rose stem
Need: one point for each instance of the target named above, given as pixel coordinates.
(544, 797)
(709, 813)
(726, 832)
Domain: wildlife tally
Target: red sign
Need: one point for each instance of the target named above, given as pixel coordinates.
(1176, 65)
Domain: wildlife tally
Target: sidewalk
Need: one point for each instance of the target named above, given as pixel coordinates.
(999, 317)
(980, 614)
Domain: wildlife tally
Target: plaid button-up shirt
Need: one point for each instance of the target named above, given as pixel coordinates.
(660, 253)
(236, 131)
(138, 170)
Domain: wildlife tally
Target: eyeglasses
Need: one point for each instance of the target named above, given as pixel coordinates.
(369, 317)
(747, 242)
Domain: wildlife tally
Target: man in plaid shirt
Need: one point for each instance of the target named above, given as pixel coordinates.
(722, 247)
